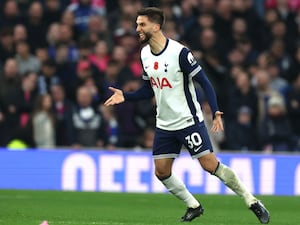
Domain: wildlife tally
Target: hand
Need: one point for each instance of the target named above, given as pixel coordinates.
(217, 122)
(116, 98)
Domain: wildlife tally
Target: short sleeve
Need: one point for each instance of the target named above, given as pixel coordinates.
(188, 64)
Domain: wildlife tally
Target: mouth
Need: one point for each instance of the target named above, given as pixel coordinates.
(142, 35)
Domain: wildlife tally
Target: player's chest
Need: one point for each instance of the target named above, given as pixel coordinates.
(162, 72)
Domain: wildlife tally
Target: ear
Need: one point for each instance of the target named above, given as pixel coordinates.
(156, 27)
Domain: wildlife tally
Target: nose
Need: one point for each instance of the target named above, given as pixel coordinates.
(138, 29)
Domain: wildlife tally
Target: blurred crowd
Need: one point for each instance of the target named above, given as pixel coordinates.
(58, 58)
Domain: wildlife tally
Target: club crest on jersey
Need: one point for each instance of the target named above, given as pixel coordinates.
(155, 65)
(166, 67)
(160, 83)
(191, 59)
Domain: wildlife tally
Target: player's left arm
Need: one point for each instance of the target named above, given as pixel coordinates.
(190, 67)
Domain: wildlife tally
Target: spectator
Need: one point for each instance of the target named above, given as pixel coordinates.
(48, 77)
(87, 74)
(280, 56)
(36, 26)
(277, 83)
(9, 87)
(82, 11)
(112, 126)
(207, 41)
(43, 122)
(120, 56)
(293, 107)
(68, 19)
(264, 93)
(19, 33)
(133, 119)
(88, 124)
(53, 35)
(65, 36)
(62, 109)
(129, 127)
(223, 19)
(53, 11)
(244, 9)
(270, 17)
(242, 94)
(279, 31)
(10, 15)
(97, 92)
(97, 30)
(26, 98)
(100, 56)
(241, 133)
(26, 61)
(66, 70)
(287, 11)
(275, 133)
(112, 74)
(7, 48)
(171, 30)
(84, 49)
(126, 26)
(42, 54)
(239, 30)
(246, 46)
(236, 57)
(130, 44)
(295, 66)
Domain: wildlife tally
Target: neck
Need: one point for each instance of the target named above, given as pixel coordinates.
(157, 43)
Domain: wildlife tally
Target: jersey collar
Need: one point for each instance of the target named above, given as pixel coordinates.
(157, 54)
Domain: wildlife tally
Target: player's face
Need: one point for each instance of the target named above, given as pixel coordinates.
(144, 29)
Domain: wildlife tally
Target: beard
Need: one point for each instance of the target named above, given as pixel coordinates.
(147, 37)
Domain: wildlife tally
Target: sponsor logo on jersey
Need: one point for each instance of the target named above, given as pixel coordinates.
(160, 82)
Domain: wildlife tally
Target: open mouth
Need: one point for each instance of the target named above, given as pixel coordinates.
(142, 35)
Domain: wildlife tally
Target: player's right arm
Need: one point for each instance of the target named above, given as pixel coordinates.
(119, 96)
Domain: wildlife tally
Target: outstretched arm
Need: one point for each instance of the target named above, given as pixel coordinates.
(119, 96)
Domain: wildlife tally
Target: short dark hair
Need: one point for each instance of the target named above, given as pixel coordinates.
(154, 14)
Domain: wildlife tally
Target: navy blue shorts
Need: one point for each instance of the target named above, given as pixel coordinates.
(168, 144)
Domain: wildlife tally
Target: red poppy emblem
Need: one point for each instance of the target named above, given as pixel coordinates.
(155, 65)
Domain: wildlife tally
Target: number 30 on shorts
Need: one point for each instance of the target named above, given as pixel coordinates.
(193, 140)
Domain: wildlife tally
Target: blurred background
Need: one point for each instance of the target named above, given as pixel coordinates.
(58, 58)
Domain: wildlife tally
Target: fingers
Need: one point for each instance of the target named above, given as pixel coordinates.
(114, 99)
(217, 125)
(219, 113)
(108, 102)
(113, 89)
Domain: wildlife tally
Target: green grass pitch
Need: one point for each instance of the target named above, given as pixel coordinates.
(88, 208)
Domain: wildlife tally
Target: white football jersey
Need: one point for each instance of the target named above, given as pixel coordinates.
(170, 74)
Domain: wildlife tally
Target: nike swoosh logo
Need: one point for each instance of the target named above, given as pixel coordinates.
(197, 149)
